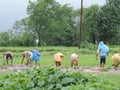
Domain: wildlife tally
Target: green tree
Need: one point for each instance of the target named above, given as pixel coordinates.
(4, 39)
(90, 23)
(51, 21)
(109, 20)
(22, 31)
(27, 40)
(102, 23)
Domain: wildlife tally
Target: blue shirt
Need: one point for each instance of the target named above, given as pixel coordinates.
(36, 55)
(103, 49)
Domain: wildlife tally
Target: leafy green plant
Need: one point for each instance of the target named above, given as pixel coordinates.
(53, 79)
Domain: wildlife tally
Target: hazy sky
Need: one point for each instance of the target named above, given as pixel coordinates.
(12, 10)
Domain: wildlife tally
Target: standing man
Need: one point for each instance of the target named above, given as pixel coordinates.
(103, 52)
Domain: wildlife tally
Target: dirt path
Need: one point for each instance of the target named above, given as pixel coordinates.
(94, 69)
(97, 70)
(16, 67)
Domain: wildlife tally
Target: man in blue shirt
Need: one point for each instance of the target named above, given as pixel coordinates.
(103, 52)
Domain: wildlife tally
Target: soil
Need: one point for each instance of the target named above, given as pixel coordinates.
(95, 69)
(17, 67)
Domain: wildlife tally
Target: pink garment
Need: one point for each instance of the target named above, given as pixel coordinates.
(74, 56)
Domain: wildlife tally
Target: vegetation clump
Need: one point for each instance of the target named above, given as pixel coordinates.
(53, 79)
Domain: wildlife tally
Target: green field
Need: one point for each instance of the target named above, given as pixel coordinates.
(86, 58)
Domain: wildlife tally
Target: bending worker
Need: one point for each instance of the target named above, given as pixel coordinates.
(58, 58)
(116, 60)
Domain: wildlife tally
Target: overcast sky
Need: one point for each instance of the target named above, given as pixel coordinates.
(12, 10)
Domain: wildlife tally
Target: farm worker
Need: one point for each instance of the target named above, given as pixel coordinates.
(58, 57)
(26, 54)
(116, 60)
(36, 56)
(74, 59)
(103, 52)
(8, 56)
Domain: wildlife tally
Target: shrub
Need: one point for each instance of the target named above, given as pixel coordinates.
(53, 79)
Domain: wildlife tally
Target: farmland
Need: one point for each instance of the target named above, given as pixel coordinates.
(87, 60)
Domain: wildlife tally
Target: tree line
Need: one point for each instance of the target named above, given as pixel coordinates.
(59, 25)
